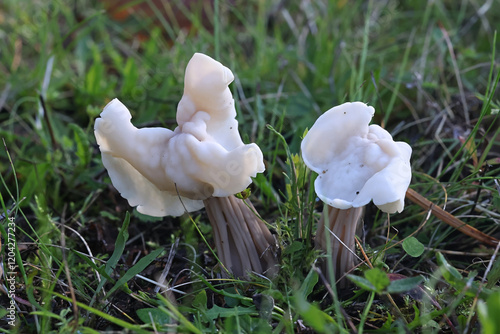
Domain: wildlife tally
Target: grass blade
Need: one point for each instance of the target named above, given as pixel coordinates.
(136, 269)
(115, 257)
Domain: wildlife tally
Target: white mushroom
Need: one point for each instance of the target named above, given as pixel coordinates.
(356, 163)
(202, 162)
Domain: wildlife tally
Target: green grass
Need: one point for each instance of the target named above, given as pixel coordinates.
(87, 262)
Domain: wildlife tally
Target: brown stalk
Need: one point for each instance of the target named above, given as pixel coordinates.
(450, 219)
(243, 241)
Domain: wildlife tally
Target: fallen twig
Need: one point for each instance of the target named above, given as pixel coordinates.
(450, 219)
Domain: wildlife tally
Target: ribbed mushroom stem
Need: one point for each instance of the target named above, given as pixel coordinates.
(244, 243)
(343, 225)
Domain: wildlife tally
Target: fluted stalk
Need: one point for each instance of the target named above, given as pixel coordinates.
(342, 226)
(244, 243)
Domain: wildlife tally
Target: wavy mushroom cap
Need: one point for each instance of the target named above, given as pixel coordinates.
(207, 97)
(356, 162)
(156, 168)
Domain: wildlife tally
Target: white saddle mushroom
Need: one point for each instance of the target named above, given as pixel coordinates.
(356, 163)
(203, 162)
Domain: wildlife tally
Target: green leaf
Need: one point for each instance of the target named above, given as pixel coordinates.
(449, 272)
(362, 282)
(293, 247)
(243, 194)
(458, 282)
(146, 218)
(494, 274)
(200, 301)
(221, 312)
(489, 311)
(263, 184)
(309, 283)
(314, 316)
(83, 151)
(130, 77)
(108, 215)
(93, 111)
(246, 324)
(229, 299)
(306, 130)
(404, 285)
(264, 304)
(34, 177)
(377, 278)
(156, 315)
(413, 247)
(94, 78)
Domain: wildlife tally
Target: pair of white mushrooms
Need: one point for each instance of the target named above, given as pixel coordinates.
(204, 162)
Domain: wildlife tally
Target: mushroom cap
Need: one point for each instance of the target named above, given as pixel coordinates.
(132, 158)
(156, 168)
(356, 162)
(206, 90)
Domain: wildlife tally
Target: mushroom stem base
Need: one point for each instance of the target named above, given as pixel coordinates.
(341, 226)
(243, 241)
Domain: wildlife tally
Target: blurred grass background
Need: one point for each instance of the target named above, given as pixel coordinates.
(430, 68)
